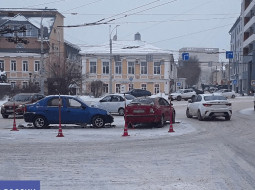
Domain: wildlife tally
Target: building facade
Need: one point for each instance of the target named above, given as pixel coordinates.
(30, 42)
(134, 64)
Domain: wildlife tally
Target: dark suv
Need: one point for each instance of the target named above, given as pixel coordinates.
(20, 100)
(139, 92)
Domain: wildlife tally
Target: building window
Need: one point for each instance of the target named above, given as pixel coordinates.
(118, 67)
(156, 68)
(105, 67)
(144, 86)
(117, 88)
(156, 88)
(93, 67)
(24, 84)
(144, 68)
(13, 84)
(131, 86)
(2, 65)
(24, 65)
(37, 66)
(105, 88)
(131, 68)
(13, 65)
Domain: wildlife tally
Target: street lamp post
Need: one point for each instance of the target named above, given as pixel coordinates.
(110, 65)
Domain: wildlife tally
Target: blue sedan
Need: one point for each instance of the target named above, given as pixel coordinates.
(73, 111)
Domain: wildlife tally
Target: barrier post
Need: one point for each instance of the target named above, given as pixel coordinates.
(14, 128)
(60, 134)
(125, 134)
(171, 130)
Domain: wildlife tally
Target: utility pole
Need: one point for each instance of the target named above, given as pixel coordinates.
(42, 71)
(110, 64)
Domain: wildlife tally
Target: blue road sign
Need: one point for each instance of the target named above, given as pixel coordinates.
(185, 56)
(234, 81)
(178, 84)
(229, 55)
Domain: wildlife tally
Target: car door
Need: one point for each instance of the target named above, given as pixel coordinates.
(52, 109)
(194, 106)
(75, 112)
(105, 103)
(116, 103)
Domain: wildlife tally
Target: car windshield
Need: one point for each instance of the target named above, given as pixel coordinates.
(179, 91)
(129, 97)
(143, 101)
(21, 98)
(208, 98)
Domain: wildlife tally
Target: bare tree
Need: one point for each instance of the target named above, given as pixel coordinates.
(64, 79)
(190, 70)
(97, 88)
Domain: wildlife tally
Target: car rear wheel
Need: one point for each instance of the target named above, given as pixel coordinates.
(199, 116)
(121, 111)
(233, 96)
(188, 114)
(5, 116)
(161, 123)
(40, 122)
(98, 121)
(179, 98)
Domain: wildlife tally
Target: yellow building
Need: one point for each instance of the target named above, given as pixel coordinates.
(134, 65)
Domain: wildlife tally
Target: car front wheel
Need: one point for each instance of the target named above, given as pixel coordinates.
(199, 116)
(40, 122)
(121, 111)
(98, 121)
(227, 118)
(188, 114)
(179, 98)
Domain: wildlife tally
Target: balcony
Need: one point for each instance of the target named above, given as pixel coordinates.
(248, 9)
(249, 40)
(249, 24)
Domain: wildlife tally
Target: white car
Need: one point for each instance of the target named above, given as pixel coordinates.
(225, 92)
(182, 94)
(209, 106)
(114, 103)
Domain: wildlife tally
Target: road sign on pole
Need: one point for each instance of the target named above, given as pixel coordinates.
(185, 56)
(229, 55)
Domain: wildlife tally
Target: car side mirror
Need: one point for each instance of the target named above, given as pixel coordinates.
(83, 107)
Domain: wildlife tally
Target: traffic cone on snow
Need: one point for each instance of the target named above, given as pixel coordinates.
(125, 134)
(171, 129)
(14, 128)
(60, 134)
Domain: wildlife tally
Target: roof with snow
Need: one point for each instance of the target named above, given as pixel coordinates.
(124, 47)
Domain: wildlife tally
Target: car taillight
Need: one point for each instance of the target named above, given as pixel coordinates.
(207, 105)
(228, 104)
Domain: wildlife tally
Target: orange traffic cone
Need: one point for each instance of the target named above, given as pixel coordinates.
(14, 128)
(171, 130)
(125, 134)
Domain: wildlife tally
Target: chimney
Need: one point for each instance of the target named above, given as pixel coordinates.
(138, 36)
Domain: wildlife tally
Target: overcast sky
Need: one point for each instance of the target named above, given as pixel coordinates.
(167, 24)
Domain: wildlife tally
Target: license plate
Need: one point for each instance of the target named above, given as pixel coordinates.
(9, 111)
(138, 111)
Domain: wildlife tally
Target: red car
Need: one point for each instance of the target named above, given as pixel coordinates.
(149, 110)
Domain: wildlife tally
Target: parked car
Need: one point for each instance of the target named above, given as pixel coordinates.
(225, 92)
(209, 106)
(149, 110)
(114, 103)
(20, 100)
(73, 111)
(182, 94)
(139, 92)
